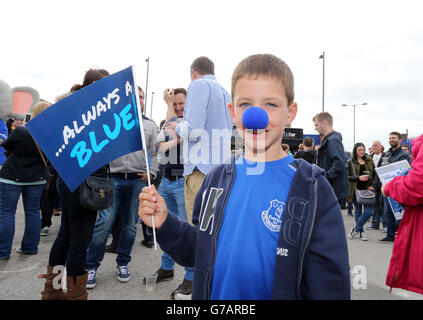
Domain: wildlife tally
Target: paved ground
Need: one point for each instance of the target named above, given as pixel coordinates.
(18, 275)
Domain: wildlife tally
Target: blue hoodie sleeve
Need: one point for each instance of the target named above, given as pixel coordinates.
(326, 266)
(178, 238)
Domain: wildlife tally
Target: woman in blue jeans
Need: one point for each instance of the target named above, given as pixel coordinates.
(76, 229)
(23, 172)
(360, 175)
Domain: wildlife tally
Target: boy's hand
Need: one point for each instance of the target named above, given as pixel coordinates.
(152, 204)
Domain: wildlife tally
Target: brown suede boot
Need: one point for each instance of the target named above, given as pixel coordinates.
(50, 293)
(77, 287)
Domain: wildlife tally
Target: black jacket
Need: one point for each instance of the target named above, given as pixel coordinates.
(331, 158)
(308, 155)
(393, 156)
(23, 163)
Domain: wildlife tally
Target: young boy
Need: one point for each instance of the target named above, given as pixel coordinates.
(274, 235)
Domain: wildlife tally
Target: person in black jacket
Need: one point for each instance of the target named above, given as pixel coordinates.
(394, 154)
(76, 230)
(308, 153)
(23, 172)
(331, 155)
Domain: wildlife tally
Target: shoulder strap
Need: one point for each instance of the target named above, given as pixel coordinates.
(352, 165)
(41, 153)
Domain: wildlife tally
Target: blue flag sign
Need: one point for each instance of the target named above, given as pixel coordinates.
(91, 127)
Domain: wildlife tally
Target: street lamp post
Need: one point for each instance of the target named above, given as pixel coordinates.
(354, 105)
(322, 56)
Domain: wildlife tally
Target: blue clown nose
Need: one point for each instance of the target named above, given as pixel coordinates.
(255, 118)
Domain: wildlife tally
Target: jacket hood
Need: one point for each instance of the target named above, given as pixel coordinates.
(335, 135)
(308, 172)
(416, 145)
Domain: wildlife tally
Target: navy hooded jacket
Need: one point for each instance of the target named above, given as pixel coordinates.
(312, 254)
(331, 158)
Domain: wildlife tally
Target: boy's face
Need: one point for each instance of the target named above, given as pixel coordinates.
(268, 94)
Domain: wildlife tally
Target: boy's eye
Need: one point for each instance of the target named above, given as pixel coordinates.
(245, 105)
(271, 105)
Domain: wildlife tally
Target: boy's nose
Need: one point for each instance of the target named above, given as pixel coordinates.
(255, 118)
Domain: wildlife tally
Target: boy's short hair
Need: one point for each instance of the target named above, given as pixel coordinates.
(324, 116)
(180, 90)
(308, 142)
(203, 66)
(285, 147)
(269, 66)
(395, 133)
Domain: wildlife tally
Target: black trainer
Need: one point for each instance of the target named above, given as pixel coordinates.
(386, 240)
(372, 228)
(162, 275)
(147, 244)
(185, 289)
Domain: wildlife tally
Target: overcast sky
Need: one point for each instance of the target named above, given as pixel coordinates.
(373, 51)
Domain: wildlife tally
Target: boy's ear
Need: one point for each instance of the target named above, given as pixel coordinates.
(232, 111)
(292, 113)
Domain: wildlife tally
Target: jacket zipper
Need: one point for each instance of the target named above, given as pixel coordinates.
(309, 236)
(217, 234)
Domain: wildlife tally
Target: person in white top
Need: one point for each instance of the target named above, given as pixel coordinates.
(377, 149)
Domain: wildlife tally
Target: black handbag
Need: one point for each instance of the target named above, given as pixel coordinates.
(96, 193)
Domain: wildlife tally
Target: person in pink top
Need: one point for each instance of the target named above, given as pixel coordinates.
(406, 266)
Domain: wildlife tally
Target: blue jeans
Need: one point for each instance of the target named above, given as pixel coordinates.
(125, 196)
(9, 197)
(173, 194)
(378, 212)
(360, 216)
(391, 222)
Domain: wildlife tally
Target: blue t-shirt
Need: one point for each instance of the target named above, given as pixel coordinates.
(248, 237)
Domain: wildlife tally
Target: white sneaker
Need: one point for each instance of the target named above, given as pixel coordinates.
(91, 280)
(180, 296)
(353, 233)
(123, 273)
(363, 236)
(44, 231)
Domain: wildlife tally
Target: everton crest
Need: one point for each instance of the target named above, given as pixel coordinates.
(272, 217)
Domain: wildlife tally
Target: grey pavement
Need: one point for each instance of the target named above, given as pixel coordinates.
(18, 275)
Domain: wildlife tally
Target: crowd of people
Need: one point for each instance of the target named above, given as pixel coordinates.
(213, 214)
